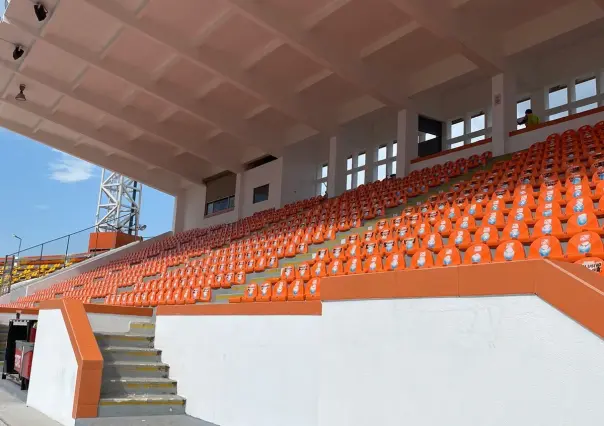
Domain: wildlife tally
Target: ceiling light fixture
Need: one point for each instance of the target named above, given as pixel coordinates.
(18, 52)
(40, 11)
(21, 96)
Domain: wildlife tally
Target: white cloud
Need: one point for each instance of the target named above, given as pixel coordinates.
(41, 206)
(68, 169)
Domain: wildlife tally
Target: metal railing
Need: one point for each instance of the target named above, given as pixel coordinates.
(49, 256)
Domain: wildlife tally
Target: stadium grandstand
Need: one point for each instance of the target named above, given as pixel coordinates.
(387, 212)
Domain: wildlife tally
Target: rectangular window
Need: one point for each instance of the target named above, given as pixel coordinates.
(324, 170)
(382, 151)
(348, 182)
(585, 88)
(587, 107)
(381, 172)
(521, 108)
(260, 194)
(349, 163)
(456, 144)
(361, 159)
(557, 96)
(457, 128)
(220, 205)
(558, 115)
(393, 171)
(394, 148)
(477, 138)
(477, 122)
(360, 177)
(322, 189)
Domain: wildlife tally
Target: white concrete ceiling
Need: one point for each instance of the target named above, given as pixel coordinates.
(173, 91)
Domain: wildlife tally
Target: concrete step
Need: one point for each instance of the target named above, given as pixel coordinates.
(141, 405)
(224, 298)
(116, 369)
(142, 328)
(124, 353)
(127, 340)
(124, 386)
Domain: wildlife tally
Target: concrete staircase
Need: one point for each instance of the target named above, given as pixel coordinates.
(135, 381)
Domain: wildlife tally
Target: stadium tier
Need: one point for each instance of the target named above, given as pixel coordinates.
(545, 202)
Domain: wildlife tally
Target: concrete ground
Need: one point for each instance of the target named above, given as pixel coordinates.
(14, 412)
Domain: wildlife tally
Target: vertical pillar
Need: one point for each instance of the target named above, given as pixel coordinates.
(336, 171)
(178, 220)
(239, 196)
(406, 135)
(504, 110)
(538, 103)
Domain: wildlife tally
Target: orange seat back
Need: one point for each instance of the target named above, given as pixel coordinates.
(295, 291)
(545, 247)
(477, 254)
(459, 238)
(389, 246)
(353, 250)
(279, 292)
(584, 243)
(449, 256)
(370, 248)
(509, 250)
(395, 262)
(443, 227)
(318, 269)
(594, 264)
(551, 209)
(354, 266)
(251, 292)
(288, 273)
(303, 271)
(312, 290)
(206, 294)
(422, 259)
(265, 293)
(515, 230)
(373, 264)
(336, 267)
(474, 209)
(547, 226)
(466, 222)
(487, 234)
(520, 214)
(579, 222)
(433, 241)
(579, 205)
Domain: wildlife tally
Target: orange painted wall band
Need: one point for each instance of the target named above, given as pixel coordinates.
(275, 308)
(87, 353)
(24, 311)
(95, 308)
(450, 151)
(558, 121)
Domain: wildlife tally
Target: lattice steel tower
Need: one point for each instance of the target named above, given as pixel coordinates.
(119, 206)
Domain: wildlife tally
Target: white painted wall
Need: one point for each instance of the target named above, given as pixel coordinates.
(5, 318)
(269, 173)
(108, 323)
(493, 361)
(244, 370)
(301, 164)
(525, 140)
(54, 370)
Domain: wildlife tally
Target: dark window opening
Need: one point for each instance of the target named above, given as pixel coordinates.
(218, 206)
(260, 194)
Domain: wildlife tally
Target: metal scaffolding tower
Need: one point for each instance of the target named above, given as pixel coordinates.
(119, 206)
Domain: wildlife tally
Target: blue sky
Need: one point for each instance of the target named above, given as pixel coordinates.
(47, 194)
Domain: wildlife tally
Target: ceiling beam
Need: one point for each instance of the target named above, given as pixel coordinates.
(383, 86)
(323, 13)
(168, 184)
(464, 38)
(109, 138)
(144, 123)
(389, 39)
(200, 110)
(219, 65)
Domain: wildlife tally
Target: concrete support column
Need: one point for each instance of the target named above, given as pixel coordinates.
(406, 135)
(239, 191)
(189, 208)
(504, 110)
(336, 172)
(538, 103)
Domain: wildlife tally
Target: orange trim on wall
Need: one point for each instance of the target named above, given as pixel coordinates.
(273, 308)
(22, 311)
(572, 291)
(558, 121)
(96, 308)
(450, 151)
(87, 353)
